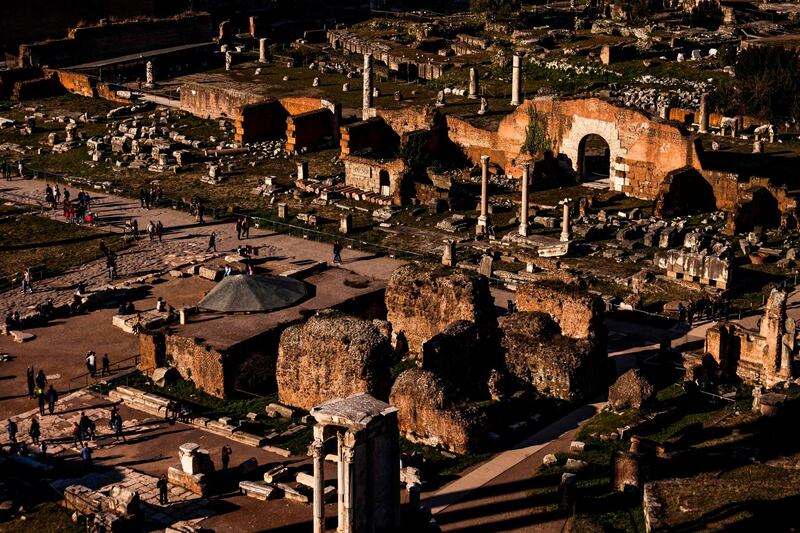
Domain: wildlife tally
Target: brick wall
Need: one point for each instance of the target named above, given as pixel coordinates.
(309, 129)
(199, 363)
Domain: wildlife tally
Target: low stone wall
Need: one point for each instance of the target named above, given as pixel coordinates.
(197, 362)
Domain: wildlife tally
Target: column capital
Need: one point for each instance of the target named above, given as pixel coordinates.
(317, 449)
(348, 454)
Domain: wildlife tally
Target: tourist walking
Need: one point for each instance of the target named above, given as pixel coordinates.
(200, 212)
(26, 281)
(35, 431)
(159, 230)
(31, 382)
(116, 423)
(162, 489)
(91, 363)
(52, 398)
(337, 252)
(41, 397)
(212, 242)
(77, 435)
(239, 229)
(11, 427)
(226, 456)
(106, 366)
(245, 228)
(86, 457)
(151, 230)
(111, 265)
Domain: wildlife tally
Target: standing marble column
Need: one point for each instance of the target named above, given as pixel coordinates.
(346, 517)
(703, 120)
(523, 216)
(473, 84)
(319, 485)
(340, 479)
(516, 81)
(262, 50)
(483, 220)
(566, 234)
(367, 91)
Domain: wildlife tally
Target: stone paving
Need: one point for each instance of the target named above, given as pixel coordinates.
(57, 428)
(182, 505)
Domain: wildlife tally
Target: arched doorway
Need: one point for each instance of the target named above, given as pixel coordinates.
(594, 159)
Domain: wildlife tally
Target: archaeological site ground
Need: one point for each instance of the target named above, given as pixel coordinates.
(399, 266)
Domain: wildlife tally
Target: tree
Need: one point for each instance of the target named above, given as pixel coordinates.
(495, 9)
(768, 81)
(537, 139)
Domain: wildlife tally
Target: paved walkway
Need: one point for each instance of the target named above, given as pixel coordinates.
(185, 241)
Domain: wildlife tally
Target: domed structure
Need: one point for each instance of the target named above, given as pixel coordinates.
(253, 294)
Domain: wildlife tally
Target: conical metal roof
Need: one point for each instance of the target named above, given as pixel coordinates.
(253, 294)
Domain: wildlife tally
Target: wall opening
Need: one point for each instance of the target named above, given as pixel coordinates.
(594, 159)
(762, 211)
(385, 183)
(689, 192)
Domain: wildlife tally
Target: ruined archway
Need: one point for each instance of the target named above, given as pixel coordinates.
(686, 191)
(762, 210)
(594, 158)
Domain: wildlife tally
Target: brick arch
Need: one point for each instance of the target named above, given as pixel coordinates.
(581, 128)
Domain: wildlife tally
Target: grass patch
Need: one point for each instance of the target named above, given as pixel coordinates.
(45, 516)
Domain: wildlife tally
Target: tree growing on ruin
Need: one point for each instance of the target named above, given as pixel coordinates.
(537, 139)
(495, 9)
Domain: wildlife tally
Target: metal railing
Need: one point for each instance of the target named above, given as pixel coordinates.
(84, 380)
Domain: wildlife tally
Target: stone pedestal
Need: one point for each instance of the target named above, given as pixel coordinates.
(449, 253)
(283, 211)
(516, 81)
(523, 213)
(228, 60)
(345, 223)
(483, 220)
(366, 103)
(262, 50)
(302, 170)
(486, 266)
(473, 84)
(149, 75)
(626, 471)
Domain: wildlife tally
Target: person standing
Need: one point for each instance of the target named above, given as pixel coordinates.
(41, 380)
(337, 252)
(116, 423)
(35, 431)
(226, 456)
(111, 265)
(151, 230)
(212, 242)
(106, 366)
(239, 229)
(91, 364)
(77, 435)
(41, 397)
(52, 398)
(11, 427)
(159, 230)
(200, 212)
(245, 228)
(86, 457)
(26, 281)
(162, 490)
(31, 382)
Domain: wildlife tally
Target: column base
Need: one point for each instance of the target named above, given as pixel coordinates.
(565, 237)
(523, 230)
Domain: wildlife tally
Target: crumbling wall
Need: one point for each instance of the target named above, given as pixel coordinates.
(372, 134)
(537, 354)
(197, 362)
(578, 313)
(212, 101)
(8, 78)
(152, 351)
(459, 355)
(426, 413)
(370, 175)
(701, 268)
(93, 43)
(331, 356)
(422, 300)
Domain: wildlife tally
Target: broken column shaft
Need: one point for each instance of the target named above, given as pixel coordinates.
(367, 93)
(473, 84)
(703, 120)
(523, 216)
(565, 229)
(516, 81)
(483, 220)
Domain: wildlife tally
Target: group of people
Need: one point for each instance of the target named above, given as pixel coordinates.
(34, 432)
(37, 382)
(111, 260)
(150, 197)
(717, 308)
(198, 209)
(242, 228)
(7, 169)
(177, 411)
(75, 212)
(155, 231)
(91, 364)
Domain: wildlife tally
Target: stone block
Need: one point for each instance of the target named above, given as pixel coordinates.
(278, 473)
(305, 479)
(210, 273)
(21, 336)
(577, 446)
(278, 451)
(258, 490)
(292, 494)
(194, 483)
(275, 410)
(576, 465)
(549, 459)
